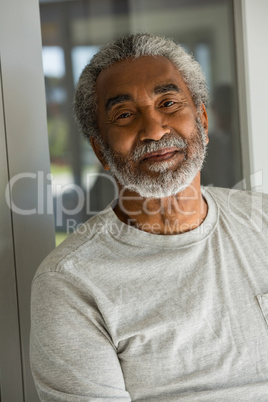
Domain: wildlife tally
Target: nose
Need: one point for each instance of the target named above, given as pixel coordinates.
(152, 126)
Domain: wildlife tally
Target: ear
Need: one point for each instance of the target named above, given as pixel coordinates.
(204, 119)
(98, 152)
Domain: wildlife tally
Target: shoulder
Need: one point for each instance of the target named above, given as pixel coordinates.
(238, 197)
(247, 207)
(76, 249)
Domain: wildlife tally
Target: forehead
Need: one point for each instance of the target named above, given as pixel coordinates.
(133, 76)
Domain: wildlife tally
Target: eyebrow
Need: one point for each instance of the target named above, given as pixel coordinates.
(117, 99)
(158, 90)
(162, 89)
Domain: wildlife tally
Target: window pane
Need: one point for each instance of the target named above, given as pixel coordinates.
(73, 31)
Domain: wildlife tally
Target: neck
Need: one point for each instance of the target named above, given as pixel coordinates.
(176, 214)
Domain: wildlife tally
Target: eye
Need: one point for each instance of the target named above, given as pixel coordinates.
(124, 115)
(168, 104)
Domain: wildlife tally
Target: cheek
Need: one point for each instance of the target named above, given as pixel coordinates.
(121, 141)
(184, 123)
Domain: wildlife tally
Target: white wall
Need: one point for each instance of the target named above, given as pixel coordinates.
(252, 51)
(24, 239)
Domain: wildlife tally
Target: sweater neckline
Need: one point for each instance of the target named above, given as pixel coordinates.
(128, 234)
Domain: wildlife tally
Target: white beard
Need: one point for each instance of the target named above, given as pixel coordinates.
(167, 182)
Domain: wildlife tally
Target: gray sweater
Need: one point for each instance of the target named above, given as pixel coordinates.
(121, 314)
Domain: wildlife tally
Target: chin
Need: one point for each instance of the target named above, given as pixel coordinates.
(158, 192)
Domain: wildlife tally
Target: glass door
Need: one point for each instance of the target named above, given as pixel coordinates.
(72, 31)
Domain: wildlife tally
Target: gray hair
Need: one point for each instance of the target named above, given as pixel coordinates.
(133, 46)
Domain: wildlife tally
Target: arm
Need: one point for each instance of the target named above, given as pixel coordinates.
(72, 355)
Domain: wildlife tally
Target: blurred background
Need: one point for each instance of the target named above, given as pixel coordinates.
(74, 30)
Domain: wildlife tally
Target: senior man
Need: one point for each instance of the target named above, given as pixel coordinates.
(164, 295)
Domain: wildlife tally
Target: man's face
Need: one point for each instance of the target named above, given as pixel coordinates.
(153, 139)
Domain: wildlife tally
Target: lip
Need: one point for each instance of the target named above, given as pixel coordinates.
(161, 154)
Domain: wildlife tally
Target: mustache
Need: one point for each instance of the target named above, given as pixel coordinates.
(171, 140)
